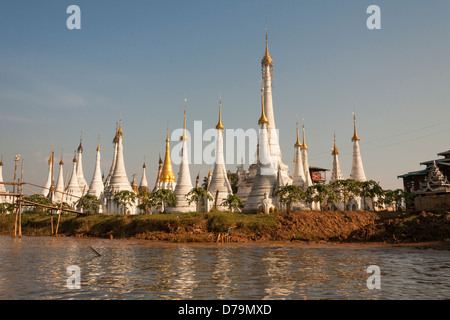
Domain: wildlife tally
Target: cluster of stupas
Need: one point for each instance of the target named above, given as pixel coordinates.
(256, 186)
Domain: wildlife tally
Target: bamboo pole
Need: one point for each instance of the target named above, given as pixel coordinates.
(62, 200)
(20, 201)
(51, 222)
(16, 158)
(50, 207)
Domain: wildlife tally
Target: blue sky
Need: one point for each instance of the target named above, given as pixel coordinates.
(141, 59)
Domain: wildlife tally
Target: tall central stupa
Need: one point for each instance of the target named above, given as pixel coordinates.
(247, 186)
(274, 145)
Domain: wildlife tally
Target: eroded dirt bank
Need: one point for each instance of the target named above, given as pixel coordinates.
(327, 226)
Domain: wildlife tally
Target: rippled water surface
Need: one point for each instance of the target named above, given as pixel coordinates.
(36, 268)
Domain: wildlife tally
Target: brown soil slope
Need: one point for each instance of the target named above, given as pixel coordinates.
(329, 226)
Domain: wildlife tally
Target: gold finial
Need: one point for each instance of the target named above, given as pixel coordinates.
(120, 131)
(304, 146)
(80, 147)
(220, 125)
(98, 144)
(74, 156)
(116, 136)
(334, 150)
(61, 162)
(297, 144)
(267, 59)
(355, 135)
(295, 160)
(209, 173)
(263, 118)
(1, 161)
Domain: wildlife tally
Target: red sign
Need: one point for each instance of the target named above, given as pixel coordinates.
(316, 175)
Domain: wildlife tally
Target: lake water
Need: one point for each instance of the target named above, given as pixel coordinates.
(36, 268)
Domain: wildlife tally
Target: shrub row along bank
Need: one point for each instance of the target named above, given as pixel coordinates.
(334, 226)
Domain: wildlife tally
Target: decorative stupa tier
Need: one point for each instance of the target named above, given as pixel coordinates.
(97, 187)
(435, 181)
(113, 164)
(73, 192)
(119, 180)
(298, 177)
(274, 146)
(143, 185)
(60, 183)
(304, 148)
(46, 189)
(80, 175)
(266, 175)
(357, 172)
(167, 177)
(336, 173)
(184, 183)
(219, 187)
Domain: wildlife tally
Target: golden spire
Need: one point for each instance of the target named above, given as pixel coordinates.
(220, 125)
(50, 160)
(297, 144)
(304, 146)
(74, 157)
(120, 131)
(263, 118)
(61, 162)
(98, 144)
(80, 147)
(334, 151)
(116, 136)
(267, 59)
(355, 135)
(167, 174)
(295, 160)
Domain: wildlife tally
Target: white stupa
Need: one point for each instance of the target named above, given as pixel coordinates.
(219, 186)
(184, 182)
(73, 192)
(80, 175)
(96, 187)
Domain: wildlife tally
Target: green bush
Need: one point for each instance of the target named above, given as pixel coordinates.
(217, 222)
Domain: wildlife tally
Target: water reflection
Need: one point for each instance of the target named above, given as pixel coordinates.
(184, 278)
(220, 274)
(35, 268)
(278, 267)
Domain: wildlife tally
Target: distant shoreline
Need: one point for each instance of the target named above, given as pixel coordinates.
(309, 228)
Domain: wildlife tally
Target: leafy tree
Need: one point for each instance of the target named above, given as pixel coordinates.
(397, 196)
(163, 197)
(148, 200)
(369, 189)
(196, 194)
(88, 203)
(234, 179)
(409, 198)
(124, 198)
(233, 202)
(205, 183)
(321, 193)
(289, 194)
(6, 207)
(39, 199)
(346, 190)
